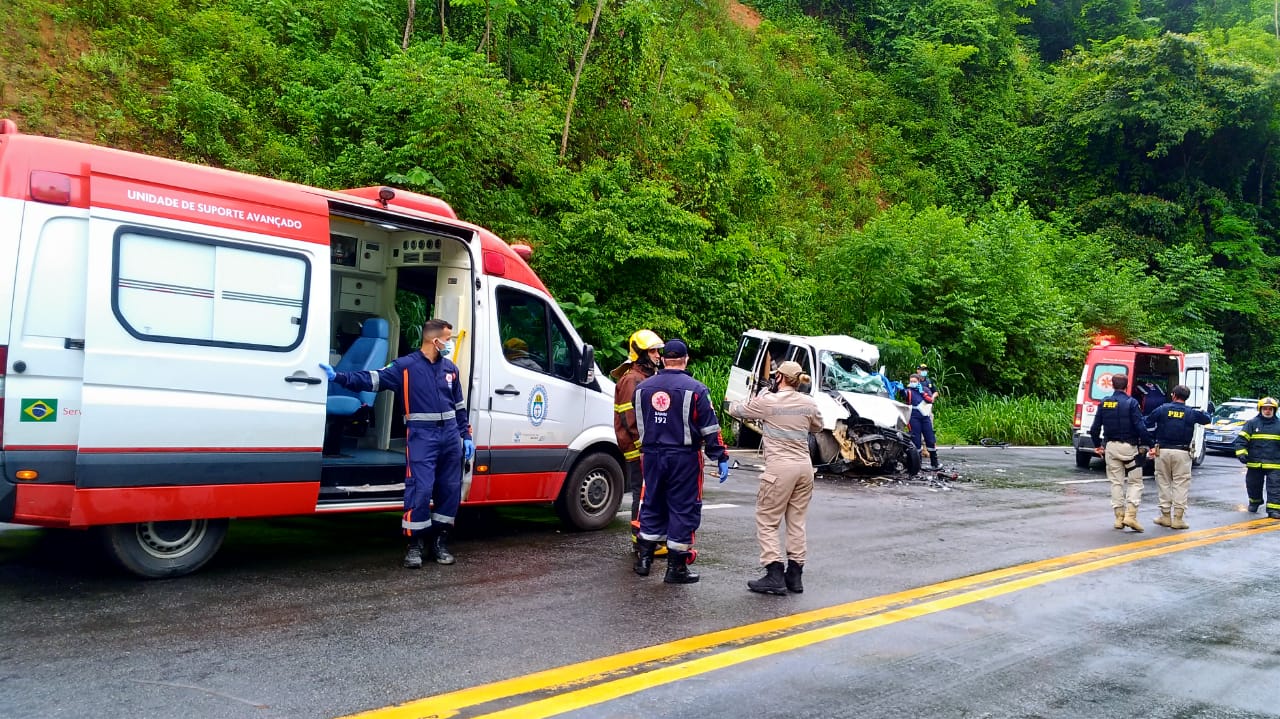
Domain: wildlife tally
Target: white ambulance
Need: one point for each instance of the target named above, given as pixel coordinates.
(162, 327)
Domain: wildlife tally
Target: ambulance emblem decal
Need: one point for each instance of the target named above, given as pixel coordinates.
(39, 410)
(661, 401)
(537, 405)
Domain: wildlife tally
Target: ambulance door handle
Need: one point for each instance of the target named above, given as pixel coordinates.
(304, 380)
(507, 391)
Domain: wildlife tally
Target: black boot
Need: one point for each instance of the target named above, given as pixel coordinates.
(1253, 506)
(1273, 513)
(644, 556)
(770, 583)
(794, 570)
(933, 460)
(413, 557)
(678, 568)
(438, 546)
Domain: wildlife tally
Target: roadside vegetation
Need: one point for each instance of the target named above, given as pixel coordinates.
(986, 185)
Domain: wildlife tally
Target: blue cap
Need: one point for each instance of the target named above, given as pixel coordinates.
(675, 348)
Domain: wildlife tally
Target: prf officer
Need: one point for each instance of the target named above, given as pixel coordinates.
(1120, 424)
(1175, 425)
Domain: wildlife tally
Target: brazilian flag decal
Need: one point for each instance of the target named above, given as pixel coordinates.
(39, 410)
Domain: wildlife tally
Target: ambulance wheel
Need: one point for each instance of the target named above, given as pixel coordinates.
(1198, 460)
(1083, 459)
(745, 437)
(592, 492)
(157, 550)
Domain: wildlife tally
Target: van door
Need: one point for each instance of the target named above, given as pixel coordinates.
(201, 354)
(46, 348)
(534, 408)
(743, 372)
(1196, 377)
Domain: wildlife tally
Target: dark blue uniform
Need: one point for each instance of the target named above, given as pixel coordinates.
(921, 423)
(436, 424)
(675, 419)
(1119, 420)
(1175, 424)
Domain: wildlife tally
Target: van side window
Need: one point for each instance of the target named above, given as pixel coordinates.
(1100, 385)
(172, 288)
(800, 355)
(747, 352)
(531, 336)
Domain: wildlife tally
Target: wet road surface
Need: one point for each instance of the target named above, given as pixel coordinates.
(312, 617)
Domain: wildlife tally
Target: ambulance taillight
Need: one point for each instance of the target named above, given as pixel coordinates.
(1079, 417)
(51, 187)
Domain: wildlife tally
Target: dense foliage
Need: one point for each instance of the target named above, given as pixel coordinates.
(985, 184)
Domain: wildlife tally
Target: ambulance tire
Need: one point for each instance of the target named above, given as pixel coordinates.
(592, 492)
(1083, 459)
(157, 550)
(1198, 460)
(744, 437)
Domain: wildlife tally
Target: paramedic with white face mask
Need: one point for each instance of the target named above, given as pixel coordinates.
(438, 436)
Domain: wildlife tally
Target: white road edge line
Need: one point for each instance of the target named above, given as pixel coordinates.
(1082, 481)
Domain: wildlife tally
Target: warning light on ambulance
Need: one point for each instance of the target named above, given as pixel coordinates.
(1103, 341)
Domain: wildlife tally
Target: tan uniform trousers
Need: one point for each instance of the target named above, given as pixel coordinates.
(1126, 484)
(785, 491)
(1173, 478)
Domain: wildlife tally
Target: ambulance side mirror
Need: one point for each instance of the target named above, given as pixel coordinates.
(586, 365)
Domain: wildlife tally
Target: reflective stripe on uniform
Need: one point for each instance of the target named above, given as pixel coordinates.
(688, 414)
(1262, 465)
(373, 380)
(430, 416)
(620, 408)
(1241, 451)
(775, 433)
(1244, 434)
(1262, 436)
(711, 430)
(639, 420)
(634, 454)
(441, 518)
(460, 405)
(406, 524)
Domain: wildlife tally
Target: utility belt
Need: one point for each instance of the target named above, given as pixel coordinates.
(1182, 447)
(1129, 442)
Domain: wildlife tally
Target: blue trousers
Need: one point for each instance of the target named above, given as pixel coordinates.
(922, 429)
(672, 506)
(433, 477)
(1263, 484)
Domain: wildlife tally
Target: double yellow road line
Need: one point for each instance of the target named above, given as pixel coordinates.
(575, 686)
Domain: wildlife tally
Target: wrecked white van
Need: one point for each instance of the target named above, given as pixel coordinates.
(864, 429)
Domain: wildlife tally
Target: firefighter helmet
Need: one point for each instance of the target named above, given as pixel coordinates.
(1268, 402)
(642, 341)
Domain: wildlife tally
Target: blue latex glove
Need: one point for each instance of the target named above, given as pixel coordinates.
(328, 371)
(724, 470)
(468, 449)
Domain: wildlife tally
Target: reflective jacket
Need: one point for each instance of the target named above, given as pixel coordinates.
(673, 411)
(1259, 443)
(432, 390)
(788, 417)
(624, 411)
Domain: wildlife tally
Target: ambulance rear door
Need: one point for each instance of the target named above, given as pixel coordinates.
(207, 316)
(1195, 376)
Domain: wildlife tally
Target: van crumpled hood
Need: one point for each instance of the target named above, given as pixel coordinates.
(883, 411)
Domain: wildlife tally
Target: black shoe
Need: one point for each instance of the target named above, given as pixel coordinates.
(678, 568)
(771, 583)
(644, 556)
(1273, 514)
(413, 557)
(1253, 507)
(439, 548)
(794, 570)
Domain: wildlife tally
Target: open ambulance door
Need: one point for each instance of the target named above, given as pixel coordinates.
(1196, 378)
(202, 398)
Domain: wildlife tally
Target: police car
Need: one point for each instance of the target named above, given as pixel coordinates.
(1228, 418)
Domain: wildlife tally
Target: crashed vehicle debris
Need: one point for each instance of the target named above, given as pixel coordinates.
(864, 428)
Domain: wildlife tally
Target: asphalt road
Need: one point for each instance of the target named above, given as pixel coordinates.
(313, 617)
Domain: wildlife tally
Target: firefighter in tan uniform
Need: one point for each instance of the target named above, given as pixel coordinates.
(643, 361)
(786, 485)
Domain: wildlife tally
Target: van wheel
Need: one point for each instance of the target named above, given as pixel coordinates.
(592, 493)
(1198, 460)
(745, 437)
(157, 550)
(1083, 460)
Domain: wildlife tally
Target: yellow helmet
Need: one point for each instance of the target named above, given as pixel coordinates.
(1268, 402)
(642, 341)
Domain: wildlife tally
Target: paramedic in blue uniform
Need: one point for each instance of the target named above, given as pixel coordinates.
(1120, 424)
(438, 436)
(675, 419)
(1175, 426)
(921, 401)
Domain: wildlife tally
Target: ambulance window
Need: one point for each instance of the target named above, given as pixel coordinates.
(522, 330)
(747, 352)
(171, 288)
(1100, 387)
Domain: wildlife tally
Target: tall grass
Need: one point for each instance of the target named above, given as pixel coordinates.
(1026, 421)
